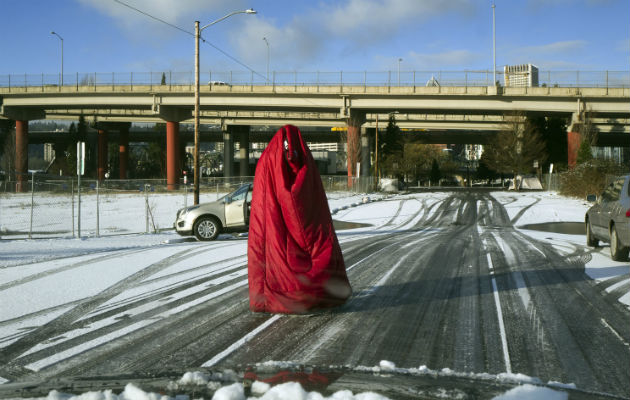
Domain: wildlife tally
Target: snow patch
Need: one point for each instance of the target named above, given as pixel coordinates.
(518, 378)
(260, 388)
(387, 365)
(131, 392)
(531, 392)
(194, 378)
(562, 385)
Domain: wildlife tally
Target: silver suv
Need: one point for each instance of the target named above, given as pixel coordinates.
(608, 219)
(228, 214)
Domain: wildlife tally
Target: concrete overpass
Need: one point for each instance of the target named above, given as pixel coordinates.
(439, 111)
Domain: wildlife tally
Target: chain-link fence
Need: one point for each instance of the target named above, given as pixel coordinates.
(168, 80)
(41, 207)
(551, 182)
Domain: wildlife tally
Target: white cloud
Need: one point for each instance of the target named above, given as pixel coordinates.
(556, 55)
(294, 44)
(182, 13)
(454, 59)
(381, 19)
(334, 30)
(564, 47)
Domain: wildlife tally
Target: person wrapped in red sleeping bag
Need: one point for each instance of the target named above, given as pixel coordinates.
(294, 259)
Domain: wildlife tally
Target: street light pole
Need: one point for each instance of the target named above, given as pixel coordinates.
(399, 60)
(56, 34)
(267, 42)
(494, 48)
(196, 151)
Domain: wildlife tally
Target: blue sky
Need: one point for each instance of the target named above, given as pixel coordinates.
(324, 35)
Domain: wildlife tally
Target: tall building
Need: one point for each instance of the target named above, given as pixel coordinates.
(49, 152)
(524, 75)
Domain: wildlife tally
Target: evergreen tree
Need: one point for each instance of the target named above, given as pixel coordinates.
(436, 174)
(585, 152)
(392, 140)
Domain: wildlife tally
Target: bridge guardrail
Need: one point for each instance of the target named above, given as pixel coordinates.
(600, 79)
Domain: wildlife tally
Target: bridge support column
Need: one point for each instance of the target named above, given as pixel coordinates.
(123, 152)
(353, 144)
(574, 139)
(102, 155)
(21, 116)
(243, 132)
(21, 155)
(228, 151)
(172, 155)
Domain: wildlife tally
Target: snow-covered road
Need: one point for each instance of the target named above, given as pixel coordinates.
(440, 279)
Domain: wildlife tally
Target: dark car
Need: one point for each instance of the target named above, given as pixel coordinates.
(608, 219)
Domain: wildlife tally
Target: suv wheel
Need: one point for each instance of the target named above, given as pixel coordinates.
(206, 228)
(617, 252)
(591, 240)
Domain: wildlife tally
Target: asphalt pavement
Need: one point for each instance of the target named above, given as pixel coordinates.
(460, 288)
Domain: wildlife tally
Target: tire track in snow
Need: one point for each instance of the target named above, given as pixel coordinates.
(63, 323)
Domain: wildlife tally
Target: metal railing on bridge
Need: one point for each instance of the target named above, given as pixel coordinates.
(170, 79)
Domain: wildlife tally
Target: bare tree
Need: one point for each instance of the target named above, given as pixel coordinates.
(516, 147)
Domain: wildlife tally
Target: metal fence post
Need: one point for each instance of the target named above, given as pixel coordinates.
(79, 206)
(577, 83)
(97, 208)
(414, 81)
(364, 81)
(72, 201)
(30, 230)
(146, 205)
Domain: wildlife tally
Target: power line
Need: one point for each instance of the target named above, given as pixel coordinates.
(192, 34)
(155, 18)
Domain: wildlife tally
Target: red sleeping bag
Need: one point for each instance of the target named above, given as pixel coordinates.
(294, 259)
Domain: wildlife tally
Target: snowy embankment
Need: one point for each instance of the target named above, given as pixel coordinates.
(529, 208)
(525, 387)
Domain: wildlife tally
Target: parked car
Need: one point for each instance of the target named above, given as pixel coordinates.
(608, 219)
(227, 214)
(218, 83)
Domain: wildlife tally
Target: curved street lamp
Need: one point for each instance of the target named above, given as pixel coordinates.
(56, 34)
(196, 153)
